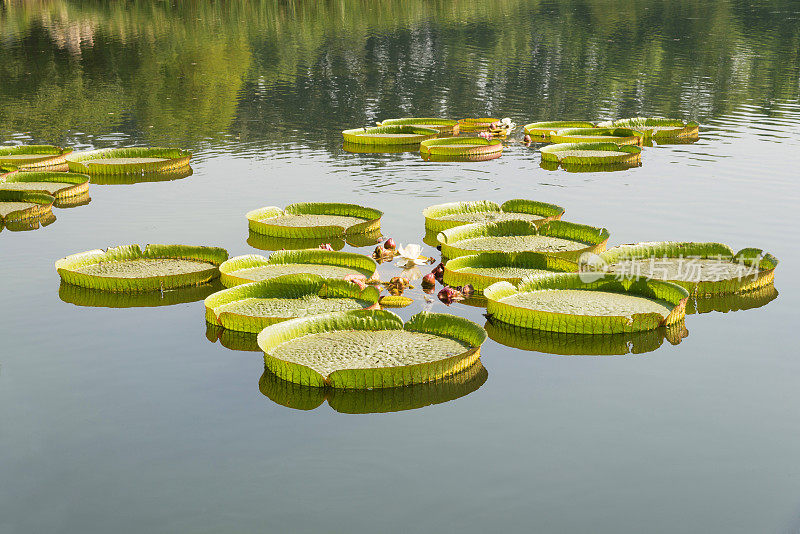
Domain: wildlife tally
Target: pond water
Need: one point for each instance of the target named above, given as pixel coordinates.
(131, 420)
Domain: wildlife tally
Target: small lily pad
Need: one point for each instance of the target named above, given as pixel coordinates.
(252, 307)
(701, 268)
(380, 400)
(129, 268)
(440, 217)
(565, 302)
(135, 160)
(314, 220)
(33, 157)
(324, 263)
(68, 189)
(540, 131)
(620, 136)
(444, 126)
(370, 349)
(18, 206)
(556, 238)
(389, 135)
(476, 125)
(584, 344)
(482, 270)
(591, 153)
(657, 128)
(461, 146)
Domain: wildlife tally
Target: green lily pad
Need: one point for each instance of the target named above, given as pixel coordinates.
(565, 302)
(19, 206)
(443, 126)
(380, 400)
(136, 160)
(556, 238)
(252, 307)
(461, 146)
(540, 131)
(389, 135)
(266, 242)
(584, 344)
(656, 128)
(591, 153)
(370, 349)
(701, 268)
(620, 136)
(33, 157)
(482, 270)
(129, 268)
(476, 125)
(68, 189)
(314, 220)
(96, 298)
(324, 263)
(440, 217)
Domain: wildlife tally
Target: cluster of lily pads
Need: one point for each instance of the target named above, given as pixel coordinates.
(576, 144)
(36, 178)
(438, 139)
(320, 315)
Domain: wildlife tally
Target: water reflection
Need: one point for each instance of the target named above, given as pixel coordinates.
(130, 179)
(232, 339)
(83, 296)
(729, 303)
(269, 243)
(379, 400)
(355, 148)
(26, 225)
(583, 344)
(577, 168)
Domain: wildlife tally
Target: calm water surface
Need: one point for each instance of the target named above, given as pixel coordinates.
(131, 420)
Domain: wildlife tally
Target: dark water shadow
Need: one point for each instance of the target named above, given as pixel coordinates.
(731, 303)
(583, 344)
(130, 179)
(379, 400)
(95, 298)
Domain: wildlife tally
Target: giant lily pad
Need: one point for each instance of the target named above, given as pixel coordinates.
(380, 400)
(541, 131)
(701, 268)
(476, 125)
(370, 349)
(482, 270)
(97, 298)
(584, 344)
(591, 153)
(440, 217)
(444, 126)
(556, 238)
(325, 263)
(314, 219)
(461, 146)
(68, 189)
(565, 302)
(252, 307)
(620, 136)
(136, 160)
(23, 205)
(731, 303)
(657, 128)
(389, 135)
(129, 268)
(33, 157)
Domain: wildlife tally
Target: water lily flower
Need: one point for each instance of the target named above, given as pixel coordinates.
(506, 123)
(410, 255)
(326, 246)
(411, 273)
